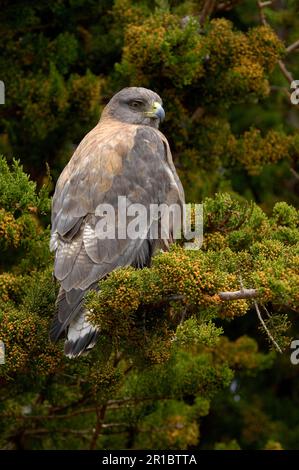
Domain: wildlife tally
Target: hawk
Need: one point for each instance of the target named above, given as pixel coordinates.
(123, 155)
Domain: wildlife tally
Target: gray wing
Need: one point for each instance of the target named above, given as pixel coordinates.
(98, 174)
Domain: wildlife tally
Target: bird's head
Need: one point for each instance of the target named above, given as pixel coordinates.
(136, 105)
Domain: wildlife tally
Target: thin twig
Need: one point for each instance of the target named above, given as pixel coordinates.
(114, 404)
(292, 47)
(111, 404)
(261, 6)
(99, 425)
(227, 6)
(266, 310)
(76, 432)
(206, 11)
(266, 4)
(49, 416)
(176, 297)
(286, 73)
(265, 327)
(294, 173)
(114, 425)
(183, 315)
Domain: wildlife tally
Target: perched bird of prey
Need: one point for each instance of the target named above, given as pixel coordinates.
(124, 155)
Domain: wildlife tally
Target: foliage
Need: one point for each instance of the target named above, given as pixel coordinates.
(162, 357)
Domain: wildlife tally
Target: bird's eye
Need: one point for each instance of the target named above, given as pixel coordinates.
(136, 104)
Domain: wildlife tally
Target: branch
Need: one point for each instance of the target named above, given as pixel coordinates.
(286, 73)
(292, 47)
(198, 114)
(76, 432)
(114, 404)
(207, 10)
(72, 405)
(227, 6)
(261, 6)
(114, 425)
(111, 404)
(227, 295)
(239, 294)
(265, 4)
(99, 425)
(294, 173)
(265, 327)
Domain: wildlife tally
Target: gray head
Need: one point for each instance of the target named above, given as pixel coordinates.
(136, 105)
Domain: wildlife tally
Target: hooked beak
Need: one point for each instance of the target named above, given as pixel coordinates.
(156, 112)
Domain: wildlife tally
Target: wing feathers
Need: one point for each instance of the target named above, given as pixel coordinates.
(66, 255)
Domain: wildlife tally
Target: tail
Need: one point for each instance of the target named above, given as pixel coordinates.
(71, 320)
(81, 336)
